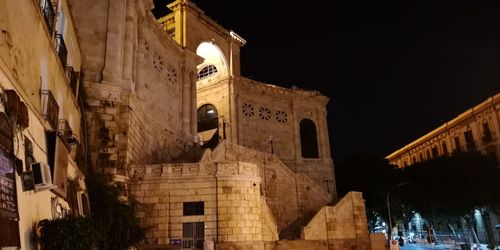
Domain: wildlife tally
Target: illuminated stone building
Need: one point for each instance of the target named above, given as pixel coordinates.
(40, 119)
(208, 156)
(476, 129)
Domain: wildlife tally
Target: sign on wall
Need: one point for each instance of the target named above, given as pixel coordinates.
(9, 229)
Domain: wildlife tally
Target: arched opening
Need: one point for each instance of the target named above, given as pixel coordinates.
(215, 63)
(308, 139)
(208, 125)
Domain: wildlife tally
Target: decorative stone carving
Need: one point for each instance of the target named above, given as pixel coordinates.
(281, 116)
(248, 110)
(157, 61)
(171, 74)
(264, 113)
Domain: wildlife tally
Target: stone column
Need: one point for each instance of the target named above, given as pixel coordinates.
(114, 41)
(129, 41)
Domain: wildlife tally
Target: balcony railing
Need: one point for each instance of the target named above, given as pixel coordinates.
(61, 50)
(50, 109)
(72, 77)
(488, 138)
(48, 13)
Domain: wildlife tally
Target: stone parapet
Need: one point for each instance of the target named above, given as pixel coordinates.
(345, 223)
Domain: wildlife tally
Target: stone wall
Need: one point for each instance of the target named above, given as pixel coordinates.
(345, 223)
(239, 204)
(141, 97)
(265, 111)
(288, 195)
(230, 191)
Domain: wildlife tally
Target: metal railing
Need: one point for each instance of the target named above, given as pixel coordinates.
(50, 108)
(61, 50)
(48, 13)
(72, 77)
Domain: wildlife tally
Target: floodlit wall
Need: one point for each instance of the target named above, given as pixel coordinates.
(40, 61)
(344, 225)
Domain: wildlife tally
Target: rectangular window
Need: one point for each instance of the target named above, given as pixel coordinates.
(50, 108)
(435, 152)
(445, 148)
(486, 133)
(428, 152)
(469, 140)
(57, 158)
(194, 208)
(457, 144)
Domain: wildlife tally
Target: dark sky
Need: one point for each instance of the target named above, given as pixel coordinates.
(393, 70)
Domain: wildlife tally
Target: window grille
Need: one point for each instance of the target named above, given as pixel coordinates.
(47, 13)
(207, 71)
(50, 109)
(61, 50)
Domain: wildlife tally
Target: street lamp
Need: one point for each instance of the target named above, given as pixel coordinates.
(389, 207)
(271, 141)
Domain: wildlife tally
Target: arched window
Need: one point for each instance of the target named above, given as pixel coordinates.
(207, 71)
(207, 118)
(308, 139)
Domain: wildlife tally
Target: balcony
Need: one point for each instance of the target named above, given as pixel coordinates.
(487, 139)
(72, 77)
(48, 14)
(61, 50)
(50, 109)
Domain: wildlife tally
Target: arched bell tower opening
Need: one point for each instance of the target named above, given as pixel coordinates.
(308, 139)
(214, 64)
(208, 125)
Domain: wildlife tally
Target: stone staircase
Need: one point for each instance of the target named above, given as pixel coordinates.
(292, 197)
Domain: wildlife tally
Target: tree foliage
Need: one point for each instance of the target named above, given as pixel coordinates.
(111, 226)
(114, 220)
(68, 233)
(450, 185)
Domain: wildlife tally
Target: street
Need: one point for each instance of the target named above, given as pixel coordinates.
(442, 246)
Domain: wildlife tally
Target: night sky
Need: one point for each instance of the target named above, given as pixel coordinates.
(393, 70)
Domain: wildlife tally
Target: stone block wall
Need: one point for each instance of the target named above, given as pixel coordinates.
(344, 224)
(288, 195)
(161, 190)
(140, 96)
(232, 201)
(239, 208)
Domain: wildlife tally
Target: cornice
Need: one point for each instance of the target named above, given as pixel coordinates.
(489, 103)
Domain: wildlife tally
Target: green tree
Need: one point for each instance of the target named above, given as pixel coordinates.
(68, 233)
(112, 224)
(113, 218)
(453, 186)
